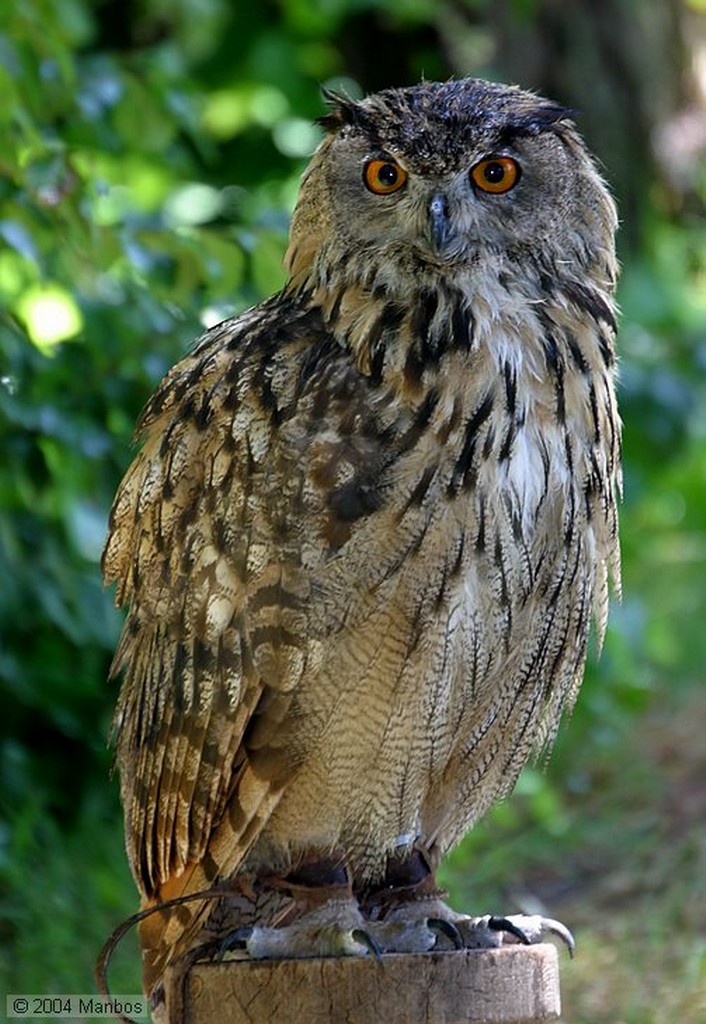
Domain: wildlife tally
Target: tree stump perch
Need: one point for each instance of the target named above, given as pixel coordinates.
(511, 985)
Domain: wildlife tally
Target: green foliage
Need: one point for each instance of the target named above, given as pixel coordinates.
(117, 247)
(63, 892)
(149, 159)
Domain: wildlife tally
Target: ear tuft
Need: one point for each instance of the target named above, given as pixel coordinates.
(343, 111)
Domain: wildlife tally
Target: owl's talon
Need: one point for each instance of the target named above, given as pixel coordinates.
(335, 928)
(504, 924)
(531, 928)
(446, 928)
(563, 933)
(370, 943)
(235, 940)
(297, 943)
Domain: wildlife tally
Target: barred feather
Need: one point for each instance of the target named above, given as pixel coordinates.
(371, 518)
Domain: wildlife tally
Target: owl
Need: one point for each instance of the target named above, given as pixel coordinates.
(366, 533)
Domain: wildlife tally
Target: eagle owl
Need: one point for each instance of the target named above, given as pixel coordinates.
(366, 533)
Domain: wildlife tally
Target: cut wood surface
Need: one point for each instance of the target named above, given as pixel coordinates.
(511, 985)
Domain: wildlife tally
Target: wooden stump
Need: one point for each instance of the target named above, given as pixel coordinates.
(511, 985)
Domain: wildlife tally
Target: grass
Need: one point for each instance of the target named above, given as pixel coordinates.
(642, 917)
(63, 893)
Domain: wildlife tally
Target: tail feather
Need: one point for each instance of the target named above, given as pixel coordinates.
(171, 932)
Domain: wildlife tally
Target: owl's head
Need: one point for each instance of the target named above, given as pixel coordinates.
(445, 177)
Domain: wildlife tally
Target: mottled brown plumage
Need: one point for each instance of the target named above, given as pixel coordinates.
(371, 518)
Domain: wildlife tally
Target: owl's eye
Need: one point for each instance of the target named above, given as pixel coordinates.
(497, 175)
(383, 177)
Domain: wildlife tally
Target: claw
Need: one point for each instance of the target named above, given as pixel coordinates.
(530, 928)
(367, 940)
(504, 924)
(237, 939)
(447, 929)
(562, 932)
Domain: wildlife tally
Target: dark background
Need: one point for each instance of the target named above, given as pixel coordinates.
(149, 158)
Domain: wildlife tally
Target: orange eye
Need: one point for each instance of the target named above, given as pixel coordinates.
(383, 177)
(497, 175)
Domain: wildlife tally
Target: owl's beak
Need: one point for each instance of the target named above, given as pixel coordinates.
(439, 221)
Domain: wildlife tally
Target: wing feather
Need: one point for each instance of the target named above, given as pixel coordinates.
(215, 634)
